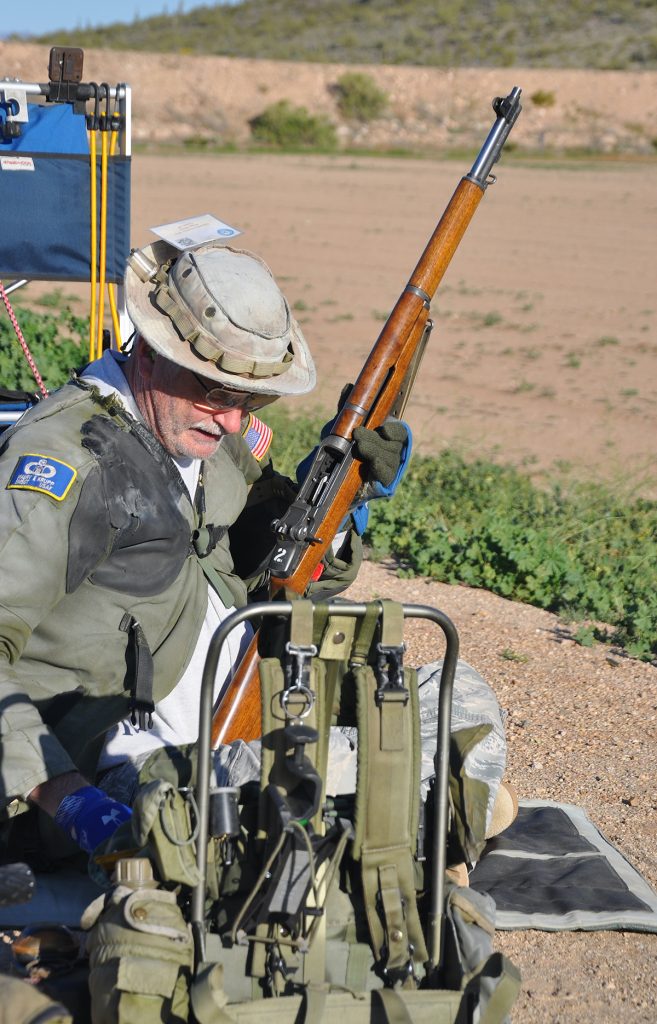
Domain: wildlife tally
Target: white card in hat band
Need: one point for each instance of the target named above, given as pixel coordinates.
(187, 234)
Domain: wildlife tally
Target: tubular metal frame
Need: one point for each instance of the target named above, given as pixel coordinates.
(441, 797)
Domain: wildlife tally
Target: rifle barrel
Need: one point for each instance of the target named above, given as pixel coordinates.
(507, 110)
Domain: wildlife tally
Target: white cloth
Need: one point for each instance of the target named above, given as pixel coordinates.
(175, 719)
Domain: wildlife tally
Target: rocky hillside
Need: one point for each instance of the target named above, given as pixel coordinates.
(619, 34)
(209, 101)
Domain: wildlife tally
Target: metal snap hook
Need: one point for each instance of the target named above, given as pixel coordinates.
(296, 692)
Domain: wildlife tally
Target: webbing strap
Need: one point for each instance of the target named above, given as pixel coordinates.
(217, 582)
(359, 962)
(392, 734)
(393, 914)
(392, 623)
(365, 635)
(500, 994)
(208, 997)
(393, 1006)
(386, 796)
(301, 623)
(243, 367)
(314, 1004)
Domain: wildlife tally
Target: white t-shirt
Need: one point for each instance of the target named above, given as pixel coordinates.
(175, 719)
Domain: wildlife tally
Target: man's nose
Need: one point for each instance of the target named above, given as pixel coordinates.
(229, 419)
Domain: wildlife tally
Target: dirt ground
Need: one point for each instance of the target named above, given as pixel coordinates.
(546, 323)
(581, 729)
(545, 336)
(543, 355)
(211, 100)
(545, 340)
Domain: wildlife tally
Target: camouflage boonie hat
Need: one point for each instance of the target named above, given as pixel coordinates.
(218, 312)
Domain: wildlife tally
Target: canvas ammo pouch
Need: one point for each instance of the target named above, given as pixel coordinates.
(165, 821)
(140, 957)
(489, 981)
(163, 817)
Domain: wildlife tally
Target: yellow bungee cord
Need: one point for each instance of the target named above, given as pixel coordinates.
(104, 153)
(92, 126)
(111, 291)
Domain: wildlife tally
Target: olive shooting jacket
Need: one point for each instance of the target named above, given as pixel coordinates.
(97, 534)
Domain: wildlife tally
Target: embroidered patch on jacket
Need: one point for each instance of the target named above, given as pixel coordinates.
(258, 436)
(43, 473)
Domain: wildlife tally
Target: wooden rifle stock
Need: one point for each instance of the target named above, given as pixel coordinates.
(369, 403)
(238, 715)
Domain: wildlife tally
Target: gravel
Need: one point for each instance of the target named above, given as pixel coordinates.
(582, 729)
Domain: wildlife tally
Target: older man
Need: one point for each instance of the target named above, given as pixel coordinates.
(118, 494)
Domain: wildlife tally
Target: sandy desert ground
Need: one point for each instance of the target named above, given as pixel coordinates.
(545, 342)
(543, 355)
(545, 334)
(581, 729)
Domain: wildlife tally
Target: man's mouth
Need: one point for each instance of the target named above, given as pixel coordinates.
(213, 430)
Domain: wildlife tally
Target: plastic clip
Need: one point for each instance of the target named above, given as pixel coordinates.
(389, 672)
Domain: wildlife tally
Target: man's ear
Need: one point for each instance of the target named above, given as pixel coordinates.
(145, 358)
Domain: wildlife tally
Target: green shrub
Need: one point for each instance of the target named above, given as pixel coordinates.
(543, 98)
(57, 343)
(359, 97)
(579, 550)
(288, 127)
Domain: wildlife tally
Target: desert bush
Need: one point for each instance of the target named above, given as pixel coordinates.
(543, 98)
(578, 549)
(288, 127)
(59, 343)
(359, 98)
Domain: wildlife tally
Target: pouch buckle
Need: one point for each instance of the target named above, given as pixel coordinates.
(389, 673)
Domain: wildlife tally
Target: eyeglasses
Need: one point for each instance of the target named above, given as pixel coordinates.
(220, 397)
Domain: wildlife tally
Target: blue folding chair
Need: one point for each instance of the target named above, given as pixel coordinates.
(65, 198)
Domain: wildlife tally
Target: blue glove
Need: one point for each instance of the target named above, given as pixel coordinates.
(90, 816)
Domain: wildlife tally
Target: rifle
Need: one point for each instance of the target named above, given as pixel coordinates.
(336, 475)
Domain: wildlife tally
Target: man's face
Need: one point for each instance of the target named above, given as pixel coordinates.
(171, 400)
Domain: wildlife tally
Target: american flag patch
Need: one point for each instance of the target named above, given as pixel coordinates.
(258, 436)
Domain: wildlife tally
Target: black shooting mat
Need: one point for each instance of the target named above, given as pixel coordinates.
(553, 870)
